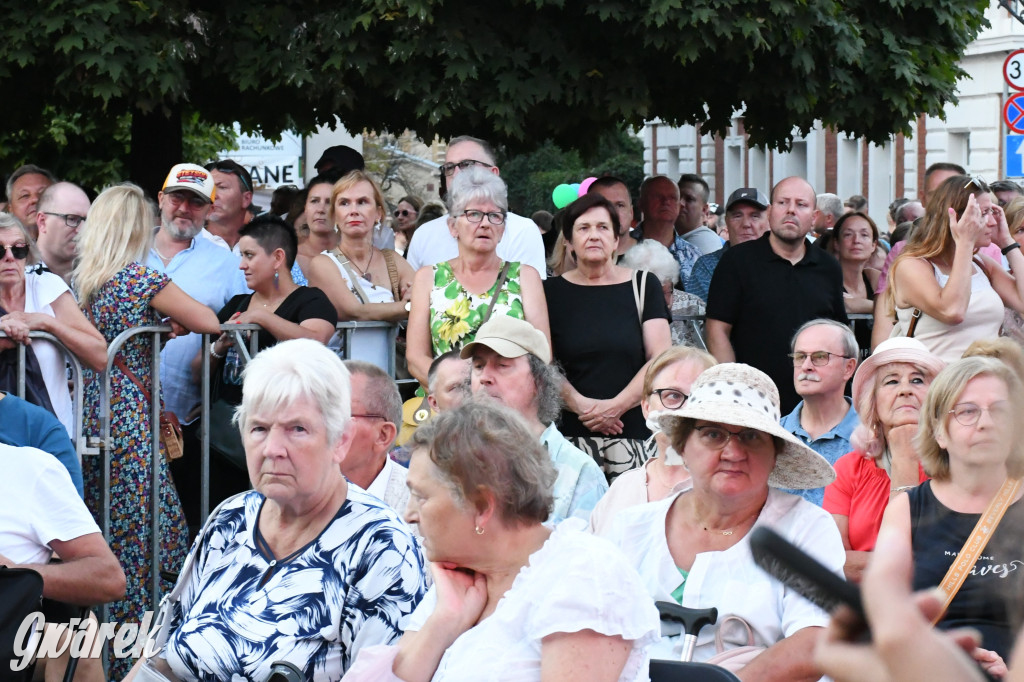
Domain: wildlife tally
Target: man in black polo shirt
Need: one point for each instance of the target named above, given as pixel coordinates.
(764, 289)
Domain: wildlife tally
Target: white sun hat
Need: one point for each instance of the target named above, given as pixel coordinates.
(740, 395)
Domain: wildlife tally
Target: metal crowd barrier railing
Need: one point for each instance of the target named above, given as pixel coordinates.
(104, 446)
(77, 404)
(248, 347)
(696, 323)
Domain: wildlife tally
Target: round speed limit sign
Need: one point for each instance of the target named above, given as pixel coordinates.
(1013, 70)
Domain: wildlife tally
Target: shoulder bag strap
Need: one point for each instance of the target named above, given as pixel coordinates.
(914, 317)
(497, 290)
(119, 362)
(353, 277)
(975, 544)
(640, 293)
(396, 284)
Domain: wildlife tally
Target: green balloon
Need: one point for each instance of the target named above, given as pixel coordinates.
(563, 195)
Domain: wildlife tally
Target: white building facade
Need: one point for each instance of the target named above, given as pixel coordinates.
(973, 135)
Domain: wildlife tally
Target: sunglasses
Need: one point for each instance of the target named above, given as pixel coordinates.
(404, 212)
(235, 169)
(19, 252)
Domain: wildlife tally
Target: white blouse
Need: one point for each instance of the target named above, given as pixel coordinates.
(730, 580)
(574, 582)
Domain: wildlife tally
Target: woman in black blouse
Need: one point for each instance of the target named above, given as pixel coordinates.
(284, 310)
(607, 323)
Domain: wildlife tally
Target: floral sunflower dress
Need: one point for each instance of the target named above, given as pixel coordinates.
(456, 314)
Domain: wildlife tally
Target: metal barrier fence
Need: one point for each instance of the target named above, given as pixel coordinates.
(103, 446)
(77, 404)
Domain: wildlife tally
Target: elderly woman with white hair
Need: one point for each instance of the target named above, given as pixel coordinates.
(650, 254)
(450, 300)
(304, 568)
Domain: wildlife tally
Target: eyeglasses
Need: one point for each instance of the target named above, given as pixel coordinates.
(968, 414)
(235, 169)
(370, 416)
(716, 437)
(404, 212)
(449, 168)
(671, 398)
(194, 201)
(819, 358)
(19, 251)
(70, 219)
(493, 217)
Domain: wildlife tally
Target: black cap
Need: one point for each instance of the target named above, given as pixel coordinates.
(340, 160)
(747, 195)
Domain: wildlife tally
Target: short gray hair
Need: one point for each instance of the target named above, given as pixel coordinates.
(381, 394)
(475, 184)
(8, 221)
(484, 445)
(650, 254)
(848, 340)
(22, 171)
(296, 369)
(830, 203)
(435, 367)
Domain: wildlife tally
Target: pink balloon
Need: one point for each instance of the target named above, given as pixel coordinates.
(585, 185)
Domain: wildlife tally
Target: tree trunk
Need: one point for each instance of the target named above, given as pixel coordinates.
(155, 147)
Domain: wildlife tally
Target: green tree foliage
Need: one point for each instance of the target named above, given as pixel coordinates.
(514, 71)
(94, 153)
(532, 175)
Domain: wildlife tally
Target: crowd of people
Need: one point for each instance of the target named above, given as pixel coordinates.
(608, 405)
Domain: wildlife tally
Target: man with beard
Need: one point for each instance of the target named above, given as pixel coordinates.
(764, 289)
(205, 271)
(824, 359)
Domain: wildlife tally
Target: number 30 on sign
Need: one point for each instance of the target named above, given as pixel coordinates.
(1013, 70)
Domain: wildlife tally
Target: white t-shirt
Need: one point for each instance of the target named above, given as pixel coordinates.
(38, 504)
(730, 580)
(574, 582)
(42, 289)
(432, 243)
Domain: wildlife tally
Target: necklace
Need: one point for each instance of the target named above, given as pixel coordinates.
(728, 531)
(164, 258)
(362, 271)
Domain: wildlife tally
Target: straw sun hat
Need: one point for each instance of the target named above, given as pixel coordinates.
(740, 395)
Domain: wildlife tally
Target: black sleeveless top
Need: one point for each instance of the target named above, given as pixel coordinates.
(990, 598)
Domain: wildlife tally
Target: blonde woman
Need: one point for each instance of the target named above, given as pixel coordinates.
(118, 293)
(362, 281)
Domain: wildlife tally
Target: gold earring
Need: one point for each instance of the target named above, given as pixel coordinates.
(479, 530)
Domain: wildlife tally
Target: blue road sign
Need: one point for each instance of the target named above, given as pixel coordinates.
(1014, 164)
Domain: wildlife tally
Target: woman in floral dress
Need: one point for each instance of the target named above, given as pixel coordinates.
(118, 293)
(452, 299)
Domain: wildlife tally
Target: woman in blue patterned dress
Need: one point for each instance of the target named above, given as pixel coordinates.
(118, 293)
(304, 568)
